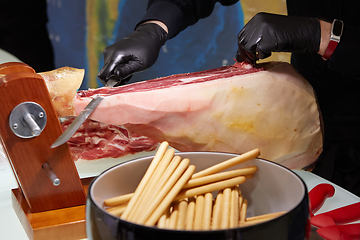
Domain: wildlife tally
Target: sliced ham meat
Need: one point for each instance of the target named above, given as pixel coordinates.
(95, 140)
(229, 109)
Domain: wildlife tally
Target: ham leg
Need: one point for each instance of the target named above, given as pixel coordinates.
(229, 109)
(63, 84)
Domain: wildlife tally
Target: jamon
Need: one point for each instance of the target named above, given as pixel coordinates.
(63, 84)
(230, 109)
(95, 140)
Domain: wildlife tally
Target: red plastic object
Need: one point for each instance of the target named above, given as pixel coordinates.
(348, 231)
(346, 214)
(352, 230)
(319, 194)
(330, 233)
(346, 237)
(321, 221)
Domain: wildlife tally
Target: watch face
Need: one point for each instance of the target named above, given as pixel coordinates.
(337, 28)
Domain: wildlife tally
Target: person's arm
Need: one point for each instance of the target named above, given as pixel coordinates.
(161, 24)
(325, 36)
(177, 15)
(345, 58)
(134, 53)
(266, 33)
(163, 19)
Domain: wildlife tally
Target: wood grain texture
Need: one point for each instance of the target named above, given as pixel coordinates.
(65, 223)
(11, 67)
(27, 155)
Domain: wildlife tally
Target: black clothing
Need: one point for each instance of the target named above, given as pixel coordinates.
(179, 14)
(267, 32)
(336, 81)
(137, 52)
(23, 33)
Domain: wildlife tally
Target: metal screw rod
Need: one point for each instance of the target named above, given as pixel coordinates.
(34, 128)
(55, 180)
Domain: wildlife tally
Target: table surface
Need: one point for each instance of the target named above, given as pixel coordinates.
(11, 228)
(7, 57)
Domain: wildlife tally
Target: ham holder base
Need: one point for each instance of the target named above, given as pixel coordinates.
(50, 200)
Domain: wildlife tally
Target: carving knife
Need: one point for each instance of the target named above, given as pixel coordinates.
(85, 113)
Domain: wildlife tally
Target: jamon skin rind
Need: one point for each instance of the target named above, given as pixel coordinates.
(63, 84)
(272, 108)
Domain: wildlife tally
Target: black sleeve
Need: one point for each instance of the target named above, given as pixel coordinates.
(179, 14)
(345, 58)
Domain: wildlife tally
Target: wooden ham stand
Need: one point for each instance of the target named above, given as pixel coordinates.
(50, 200)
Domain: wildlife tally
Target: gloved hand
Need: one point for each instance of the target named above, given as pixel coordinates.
(134, 53)
(266, 33)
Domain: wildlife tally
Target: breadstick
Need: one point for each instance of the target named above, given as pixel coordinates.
(190, 213)
(162, 221)
(195, 182)
(243, 210)
(174, 216)
(158, 156)
(191, 183)
(210, 187)
(234, 208)
(217, 211)
(199, 210)
(145, 197)
(117, 210)
(260, 219)
(170, 196)
(245, 224)
(228, 163)
(208, 202)
(151, 191)
(265, 217)
(125, 198)
(249, 176)
(241, 199)
(225, 214)
(118, 200)
(175, 177)
(183, 204)
(167, 220)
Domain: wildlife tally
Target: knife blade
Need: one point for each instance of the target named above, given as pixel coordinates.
(74, 126)
(80, 119)
(111, 83)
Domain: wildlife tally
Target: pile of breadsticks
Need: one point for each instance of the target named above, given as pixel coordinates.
(170, 195)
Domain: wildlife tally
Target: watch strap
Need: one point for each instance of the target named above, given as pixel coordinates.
(335, 35)
(330, 49)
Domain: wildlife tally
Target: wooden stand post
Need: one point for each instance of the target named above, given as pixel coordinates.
(41, 203)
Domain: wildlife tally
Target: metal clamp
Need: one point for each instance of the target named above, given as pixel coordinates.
(27, 120)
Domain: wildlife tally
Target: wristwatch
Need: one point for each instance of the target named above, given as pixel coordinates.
(336, 32)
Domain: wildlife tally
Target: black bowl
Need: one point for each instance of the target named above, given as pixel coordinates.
(273, 188)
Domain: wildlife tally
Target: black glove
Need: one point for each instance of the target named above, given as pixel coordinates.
(266, 33)
(134, 53)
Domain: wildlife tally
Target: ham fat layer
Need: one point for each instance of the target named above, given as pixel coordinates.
(229, 109)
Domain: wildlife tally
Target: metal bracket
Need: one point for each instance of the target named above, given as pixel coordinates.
(27, 120)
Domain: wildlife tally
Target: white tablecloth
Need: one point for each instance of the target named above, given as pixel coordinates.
(11, 228)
